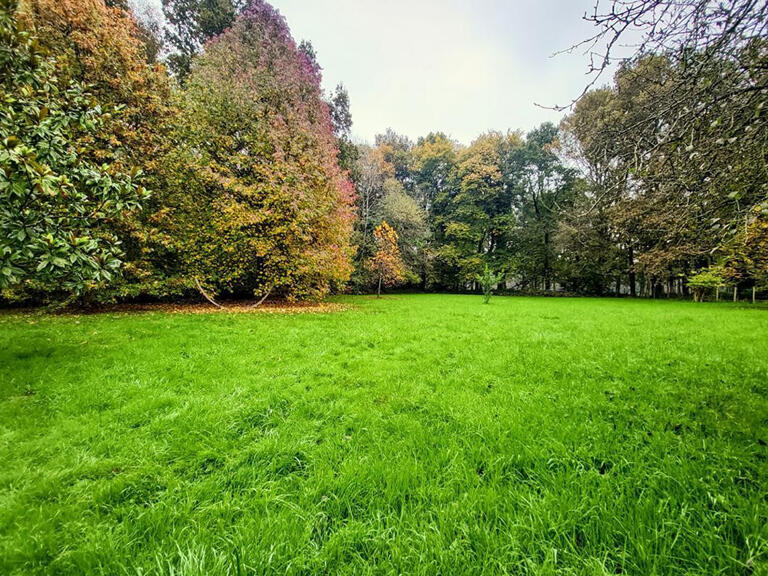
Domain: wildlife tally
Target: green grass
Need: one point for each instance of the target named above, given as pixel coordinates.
(422, 434)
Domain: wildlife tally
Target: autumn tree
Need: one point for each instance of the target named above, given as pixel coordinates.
(102, 47)
(664, 204)
(744, 260)
(257, 201)
(370, 173)
(58, 193)
(472, 217)
(386, 263)
(409, 221)
(691, 125)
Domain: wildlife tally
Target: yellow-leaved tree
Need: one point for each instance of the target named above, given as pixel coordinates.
(386, 263)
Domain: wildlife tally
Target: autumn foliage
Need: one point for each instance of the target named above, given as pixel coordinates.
(247, 197)
(387, 263)
(257, 200)
(57, 205)
(100, 46)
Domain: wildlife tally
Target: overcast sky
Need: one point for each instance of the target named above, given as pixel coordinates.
(463, 67)
(459, 66)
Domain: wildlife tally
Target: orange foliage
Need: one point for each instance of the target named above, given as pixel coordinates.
(387, 262)
(101, 47)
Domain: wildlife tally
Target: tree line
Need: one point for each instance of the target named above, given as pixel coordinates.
(149, 159)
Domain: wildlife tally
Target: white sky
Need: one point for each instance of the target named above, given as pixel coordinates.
(458, 66)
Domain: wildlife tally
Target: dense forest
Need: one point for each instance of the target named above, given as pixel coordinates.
(197, 154)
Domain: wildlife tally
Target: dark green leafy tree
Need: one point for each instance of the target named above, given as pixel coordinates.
(191, 23)
(341, 117)
(474, 213)
(56, 204)
(541, 187)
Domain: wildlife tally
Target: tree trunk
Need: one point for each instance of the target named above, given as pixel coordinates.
(378, 290)
(735, 292)
(632, 279)
(547, 274)
(206, 296)
(261, 301)
(753, 294)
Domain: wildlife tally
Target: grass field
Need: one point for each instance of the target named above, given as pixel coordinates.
(423, 434)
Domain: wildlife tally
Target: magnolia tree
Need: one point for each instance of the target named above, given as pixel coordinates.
(56, 202)
(257, 202)
(100, 45)
(386, 264)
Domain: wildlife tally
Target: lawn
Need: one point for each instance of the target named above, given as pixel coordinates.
(418, 434)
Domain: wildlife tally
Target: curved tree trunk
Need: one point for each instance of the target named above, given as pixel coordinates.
(206, 296)
(260, 302)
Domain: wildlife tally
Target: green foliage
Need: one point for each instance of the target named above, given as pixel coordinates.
(423, 434)
(709, 278)
(409, 221)
(191, 23)
(488, 281)
(56, 201)
(104, 49)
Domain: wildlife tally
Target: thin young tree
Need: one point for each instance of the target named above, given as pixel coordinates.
(488, 281)
(386, 263)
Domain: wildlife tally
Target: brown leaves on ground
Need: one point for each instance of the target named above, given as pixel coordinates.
(234, 307)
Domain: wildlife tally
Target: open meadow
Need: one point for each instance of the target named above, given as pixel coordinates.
(419, 434)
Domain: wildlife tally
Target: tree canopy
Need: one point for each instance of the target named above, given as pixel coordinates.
(652, 184)
(257, 200)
